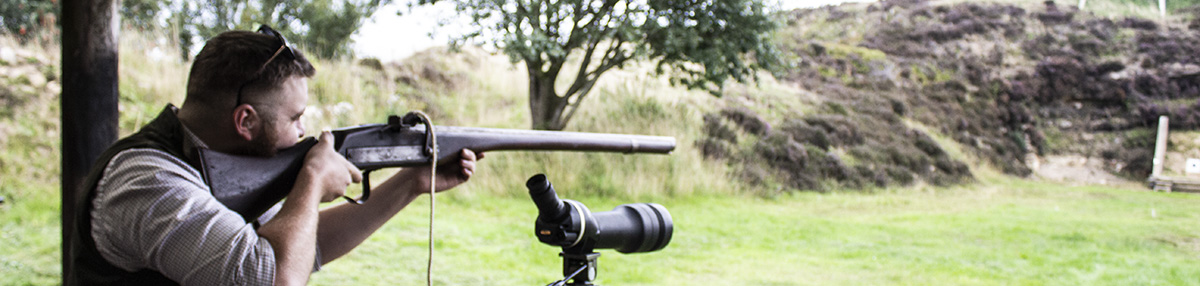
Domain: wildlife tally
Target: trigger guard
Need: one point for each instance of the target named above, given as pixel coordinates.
(366, 183)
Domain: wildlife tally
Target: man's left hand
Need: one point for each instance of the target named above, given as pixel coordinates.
(451, 174)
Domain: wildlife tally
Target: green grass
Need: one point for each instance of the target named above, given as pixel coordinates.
(1003, 231)
(29, 184)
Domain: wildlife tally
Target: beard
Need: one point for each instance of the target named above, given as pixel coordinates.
(264, 142)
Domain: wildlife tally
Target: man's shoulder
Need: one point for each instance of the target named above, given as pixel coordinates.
(147, 158)
(149, 163)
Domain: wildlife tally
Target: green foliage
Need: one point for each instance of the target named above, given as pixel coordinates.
(699, 43)
(29, 164)
(330, 25)
(142, 13)
(25, 18)
(729, 39)
(321, 27)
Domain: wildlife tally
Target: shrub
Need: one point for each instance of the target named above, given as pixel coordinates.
(782, 152)
(747, 120)
(713, 148)
(714, 128)
(926, 144)
(840, 130)
(899, 175)
(1138, 162)
(802, 132)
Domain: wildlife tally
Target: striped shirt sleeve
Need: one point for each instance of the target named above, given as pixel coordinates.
(153, 211)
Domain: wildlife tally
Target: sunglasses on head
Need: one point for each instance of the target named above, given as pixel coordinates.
(283, 50)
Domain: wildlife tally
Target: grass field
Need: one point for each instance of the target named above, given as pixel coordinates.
(1000, 232)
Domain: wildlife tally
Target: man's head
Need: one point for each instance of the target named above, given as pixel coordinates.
(246, 92)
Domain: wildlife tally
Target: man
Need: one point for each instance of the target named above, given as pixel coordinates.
(149, 218)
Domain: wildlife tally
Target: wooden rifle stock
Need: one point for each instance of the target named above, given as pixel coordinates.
(252, 185)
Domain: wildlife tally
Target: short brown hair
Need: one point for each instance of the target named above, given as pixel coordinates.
(232, 60)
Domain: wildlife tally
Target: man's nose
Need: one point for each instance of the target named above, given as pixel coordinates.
(300, 128)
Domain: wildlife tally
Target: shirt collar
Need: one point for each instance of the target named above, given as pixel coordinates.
(191, 142)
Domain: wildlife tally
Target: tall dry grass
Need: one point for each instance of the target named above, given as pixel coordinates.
(480, 89)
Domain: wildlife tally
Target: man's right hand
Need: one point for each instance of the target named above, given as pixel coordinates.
(326, 171)
(293, 231)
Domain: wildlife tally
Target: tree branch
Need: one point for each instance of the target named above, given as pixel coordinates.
(590, 79)
(573, 106)
(581, 76)
(612, 57)
(584, 79)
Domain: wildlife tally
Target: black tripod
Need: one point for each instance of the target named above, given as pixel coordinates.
(577, 261)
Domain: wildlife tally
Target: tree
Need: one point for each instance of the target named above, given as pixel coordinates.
(700, 43)
(322, 27)
(25, 18)
(330, 25)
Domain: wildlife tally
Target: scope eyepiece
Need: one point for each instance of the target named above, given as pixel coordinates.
(550, 208)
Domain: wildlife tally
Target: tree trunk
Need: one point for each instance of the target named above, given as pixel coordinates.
(89, 97)
(545, 106)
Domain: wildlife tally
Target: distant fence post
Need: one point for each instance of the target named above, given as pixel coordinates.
(1081, 3)
(1160, 147)
(1162, 9)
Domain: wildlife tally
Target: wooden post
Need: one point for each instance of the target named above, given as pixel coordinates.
(1162, 9)
(89, 97)
(1160, 148)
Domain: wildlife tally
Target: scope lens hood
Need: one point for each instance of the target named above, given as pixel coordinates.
(634, 228)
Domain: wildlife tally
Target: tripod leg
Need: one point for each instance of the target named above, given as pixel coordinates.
(574, 264)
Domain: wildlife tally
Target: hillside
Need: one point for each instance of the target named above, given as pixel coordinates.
(894, 89)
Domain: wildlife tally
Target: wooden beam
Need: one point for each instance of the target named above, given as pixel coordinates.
(89, 96)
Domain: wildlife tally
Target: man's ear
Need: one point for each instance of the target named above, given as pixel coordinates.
(246, 121)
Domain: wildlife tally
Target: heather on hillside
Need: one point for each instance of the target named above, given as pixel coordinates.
(1009, 83)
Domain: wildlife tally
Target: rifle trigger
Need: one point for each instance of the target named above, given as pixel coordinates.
(366, 183)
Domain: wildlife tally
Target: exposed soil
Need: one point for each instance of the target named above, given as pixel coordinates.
(1077, 170)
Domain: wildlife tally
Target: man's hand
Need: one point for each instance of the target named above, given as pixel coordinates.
(293, 231)
(327, 171)
(345, 226)
(449, 175)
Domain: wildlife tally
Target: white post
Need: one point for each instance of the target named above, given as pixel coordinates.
(1081, 3)
(1162, 9)
(1160, 147)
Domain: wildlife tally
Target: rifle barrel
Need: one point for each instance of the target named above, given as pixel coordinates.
(251, 185)
(487, 139)
(381, 146)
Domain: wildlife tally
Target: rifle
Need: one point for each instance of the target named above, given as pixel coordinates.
(252, 185)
